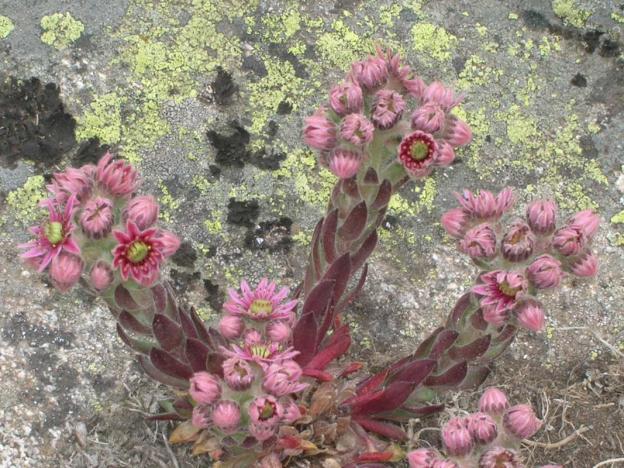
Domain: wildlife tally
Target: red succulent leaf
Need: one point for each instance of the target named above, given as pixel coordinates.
(197, 354)
(362, 254)
(350, 187)
(316, 256)
(202, 331)
(167, 332)
(124, 299)
(353, 294)
(461, 306)
(371, 176)
(451, 377)
(165, 362)
(475, 377)
(130, 322)
(317, 374)
(166, 417)
(159, 295)
(350, 369)
(383, 195)
(330, 224)
(372, 383)
(187, 323)
(140, 346)
(159, 376)
(338, 345)
(385, 429)
(443, 342)
(353, 226)
(472, 350)
(425, 346)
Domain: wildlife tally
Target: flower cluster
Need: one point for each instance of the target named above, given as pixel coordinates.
(382, 107)
(96, 225)
(256, 391)
(489, 438)
(527, 255)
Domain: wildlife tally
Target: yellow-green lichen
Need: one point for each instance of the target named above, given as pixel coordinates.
(279, 28)
(570, 12)
(513, 16)
(6, 26)
(618, 218)
(389, 13)
(433, 41)
(23, 202)
(615, 16)
(168, 204)
(60, 30)
(477, 72)
(102, 120)
(521, 128)
(341, 46)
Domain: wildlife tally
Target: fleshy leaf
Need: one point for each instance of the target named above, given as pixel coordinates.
(167, 332)
(164, 362)
(383, 195)
(140, 346)
(449, 378)
(196, 354)
(159, 376)
(471, 350)
(184, 433)
(129, 322)
(385, 429)
(353, 226)
(330, 224)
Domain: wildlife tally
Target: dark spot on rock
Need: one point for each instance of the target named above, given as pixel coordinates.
(18, 328)
(579, 80)
(270, 235)
(272, 129)
(33, 123)
(181, 280)
(535, 20)
(215, 297)
(222, 88)
(459, 63)
(254, 64)
(185, 256)
(89, 152)
(591, 39)
(279, 50)
(215, 171)
(588, 147)
(342, 5)
(609, 48)
(407, 16)
(269, 161)
(390, 222)
(231, 149)
(488, 138)
(284, 108)
(243, 213)
(609, 90)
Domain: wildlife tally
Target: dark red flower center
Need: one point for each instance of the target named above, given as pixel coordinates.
(138, 251)
(416, 150)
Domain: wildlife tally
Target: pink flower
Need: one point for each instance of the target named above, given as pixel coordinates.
(530, 315)
(479, 242)
(587, 220)
(138, 254)
(278, 331)
(454, 222)
(357, 129)
(500, 457)
(226, 416)
(262, 354)
(521, 422)
(54, 236)
(101, 276)
(265, 410)
(482, 428)
(500, 289)
(291, 412)
(205, 388)
(545, 272)
(422, 458)
(283, 378)
(237, 373)
(437, 93)
(585, 265)
(493, 401)
(262, 432)
(170, 243)
(118, 178)
(457, 132)
(456, 437)
(200, 418)
(428, 118)
(445, 155)
(416, 153)
(370, 73)
(414, 85)
(496, 317)
(96, 218)
(518, 242)
(344, 164)
(346, 98)
(143, 211)
(485, 205)
(569, 240)
(388, 107)
(231, 326)
(72, 181)
(542, 215)
(319, 132)
(65, 271)
(262, 303)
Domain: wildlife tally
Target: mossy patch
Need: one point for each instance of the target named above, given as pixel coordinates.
(60, 30)
(6, 26)
(433, 41)
(570, 12)
(23, 202)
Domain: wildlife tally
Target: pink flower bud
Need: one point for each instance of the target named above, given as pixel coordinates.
(72, 181)
(319, 132)
(101, 276)
(231, 326)
(345, 164)
(65, 271)
(545, 272)
(237, 373)
(569, 240)
(170, 243)
(479, 242)
(429, 118)
(226, 416)
(283, 378)
(262, 432)
(422, 458)
(278, 331)
(346, 98)
(118, 178)
(500, 457)
(200, 418)
(357, 129)
(586, 265)
(96, 218)
(456, 437)
(482, 206)
(587, 220)
(265, 410)
(542, 215)
(370, 73)
(204, 388)
(459, 133)
(415, 86)
(482, 428)
(454, 222)
(504, 201)
(291, 411)
(530, 315)
(521, 422)
(143, 211)
(444, 464)
(437, 93)
(493, 401)
(518, 242)
(388, 108)
(445, 155)
(495, 315)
